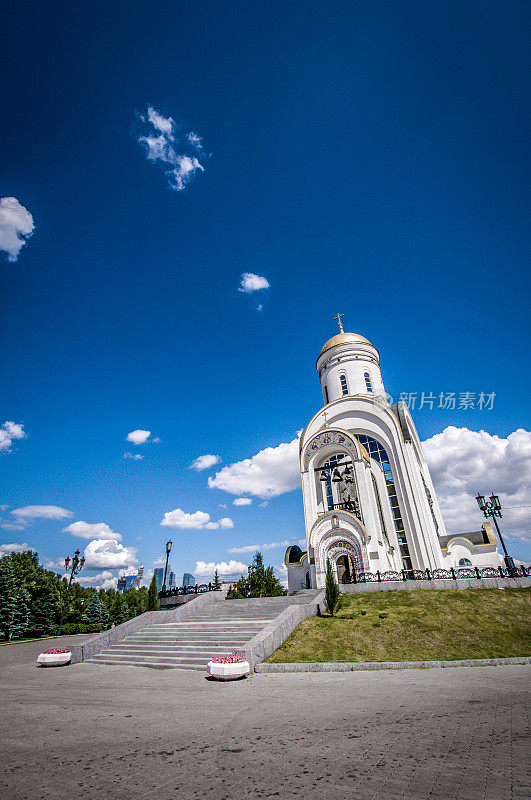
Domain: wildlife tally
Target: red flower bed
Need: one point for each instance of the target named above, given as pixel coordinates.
(228, 660)
(55, 650)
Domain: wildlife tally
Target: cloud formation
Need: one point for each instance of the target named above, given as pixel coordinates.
(105, 554)
(94, 530)
(464, 462)
(198, 520)
(205, 462)
(205, 569)
(9, 431)
(133, 456)
(242, 501)
(102, 580)
(252, 548)
(14, 548)
(16, 226)
(269, 473)
(138, 437)
(41, 512)
(160, 136)
(250, 282)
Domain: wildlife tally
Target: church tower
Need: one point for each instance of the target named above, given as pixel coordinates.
(369, 502)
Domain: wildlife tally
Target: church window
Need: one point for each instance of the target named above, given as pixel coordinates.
(465, 562)
(344, 385)
(368, 382)
(379, 454)
(325, 390)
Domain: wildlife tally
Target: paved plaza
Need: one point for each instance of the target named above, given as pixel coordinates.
(98, 731)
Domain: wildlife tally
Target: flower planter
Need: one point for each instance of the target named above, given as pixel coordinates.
(54, 659)
(228, 672)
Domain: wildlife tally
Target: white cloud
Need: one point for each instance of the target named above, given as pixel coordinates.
(16, 226)
(156, 440)
(14, 548)
(133, 456)
(160, 140)
(282, 570)
(252, 548)
(14, 526)
(205, 569)
(92, 530)
(269, 473)
(9, 431)
(138, 437)
(205, 462)
(98, 580)
(163, 124)
(159, 562)
(199, 520)
(464, 462)
(252, 283)
(42, 512)
(183, 172)
(242, 501)
(105, 554)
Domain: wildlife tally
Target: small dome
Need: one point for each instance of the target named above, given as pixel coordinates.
(344, 338)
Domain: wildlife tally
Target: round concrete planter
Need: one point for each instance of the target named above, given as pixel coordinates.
(54, 659)
(228, 672)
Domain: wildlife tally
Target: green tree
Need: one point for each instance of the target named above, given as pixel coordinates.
(216, 584)
(43, 604)
(8, 602)
(21, 615)
(260, 582)
(96, 613)
(332, 593)
(119, 611)
(153, 596)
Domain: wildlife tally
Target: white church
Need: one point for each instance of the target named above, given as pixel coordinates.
(369, 502)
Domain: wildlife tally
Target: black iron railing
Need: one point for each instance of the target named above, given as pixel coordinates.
(179, 590)
(454, 573)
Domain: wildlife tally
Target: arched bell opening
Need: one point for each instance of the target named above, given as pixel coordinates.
(336, 484)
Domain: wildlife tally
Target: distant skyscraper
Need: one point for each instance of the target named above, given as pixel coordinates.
(171, 580)
(121, 584)
(188, 579)
(139, 577)
(130, 581)
(159, 577)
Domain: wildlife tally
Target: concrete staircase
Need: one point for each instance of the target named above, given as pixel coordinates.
(215, 630)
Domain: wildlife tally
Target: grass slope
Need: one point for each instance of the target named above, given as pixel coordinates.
(416, 626)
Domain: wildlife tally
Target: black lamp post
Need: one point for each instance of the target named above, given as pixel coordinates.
(492, 508)
(74, 564)
(168, 551)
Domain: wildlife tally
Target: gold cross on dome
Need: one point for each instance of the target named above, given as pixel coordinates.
(338, 317)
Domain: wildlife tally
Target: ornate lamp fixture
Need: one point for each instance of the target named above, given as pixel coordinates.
(77, 564)
(492, 508)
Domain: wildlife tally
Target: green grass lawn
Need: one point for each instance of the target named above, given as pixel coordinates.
(416, 626)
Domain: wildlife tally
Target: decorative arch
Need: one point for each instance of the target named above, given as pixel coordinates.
(332, 439)
(337, 542)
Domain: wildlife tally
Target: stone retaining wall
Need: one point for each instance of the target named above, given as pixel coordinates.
(273, 635)
(440, 583)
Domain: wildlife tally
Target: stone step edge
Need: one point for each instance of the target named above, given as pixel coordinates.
(360, 666)
(149, 666)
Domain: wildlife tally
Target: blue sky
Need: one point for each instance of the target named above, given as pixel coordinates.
(367, 158)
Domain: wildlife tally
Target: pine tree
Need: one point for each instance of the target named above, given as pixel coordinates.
(21, 615)
(43, 605)
(96, 614)
(8, 601)
(332, 593)
(216, 585)
(261, 582)
(153, 596)
(119, 611)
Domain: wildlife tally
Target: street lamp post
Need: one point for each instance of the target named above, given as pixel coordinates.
(74, 564)
(492, 508)
(168, 550)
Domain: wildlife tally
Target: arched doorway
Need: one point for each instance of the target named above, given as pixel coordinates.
(344, 569)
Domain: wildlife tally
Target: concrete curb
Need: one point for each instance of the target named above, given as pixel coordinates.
(88, 648)
(358, 666)
(277, 631)
(438, 583)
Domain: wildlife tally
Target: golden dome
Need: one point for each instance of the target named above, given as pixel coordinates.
(344, 338)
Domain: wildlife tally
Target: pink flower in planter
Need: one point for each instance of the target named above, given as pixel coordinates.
(232, 659)
(55, 650)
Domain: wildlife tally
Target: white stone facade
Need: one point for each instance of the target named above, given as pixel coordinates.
(377, 509)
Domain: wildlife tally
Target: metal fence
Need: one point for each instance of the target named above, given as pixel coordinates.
(179, 590)
(456, 573)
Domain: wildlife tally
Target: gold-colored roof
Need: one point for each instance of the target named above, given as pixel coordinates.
(344, 338)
